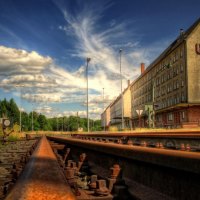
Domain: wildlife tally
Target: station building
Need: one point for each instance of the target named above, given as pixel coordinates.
(171, 84)
(168, 90)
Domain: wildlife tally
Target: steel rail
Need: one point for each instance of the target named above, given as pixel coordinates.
(173, 173)
(42, 178)
(182, 160)
(173, 134)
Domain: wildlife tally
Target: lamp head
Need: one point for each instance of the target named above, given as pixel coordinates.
(88, 60)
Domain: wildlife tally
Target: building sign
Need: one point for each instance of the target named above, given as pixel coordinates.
(197, 48)
(139, 112)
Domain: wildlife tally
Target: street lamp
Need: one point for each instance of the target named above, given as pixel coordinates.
(122, 99)
(57, 123)
(32, 118)
(104, 115)
(20, 112)
(88, 126)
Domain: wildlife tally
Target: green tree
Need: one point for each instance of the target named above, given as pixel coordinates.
(43, 122)
(25, 121)
(4, 110)
(13, 111)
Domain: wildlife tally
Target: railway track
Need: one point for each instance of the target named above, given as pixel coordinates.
(50, 174)
(145, 173)
(100, 167)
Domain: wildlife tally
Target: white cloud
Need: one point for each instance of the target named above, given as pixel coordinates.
(98, 44)
(44, 97)
(17, 61)
(80, 113)
(44, 110)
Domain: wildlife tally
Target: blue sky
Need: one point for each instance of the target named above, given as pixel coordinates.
(44, 45)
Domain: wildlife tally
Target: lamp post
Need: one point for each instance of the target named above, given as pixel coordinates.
(57, 122)
(122, 99)
(32, 119)
(63, 123)
(104, 116)
(88, 126)
(77, 121)
(153, 102)
(20, 112)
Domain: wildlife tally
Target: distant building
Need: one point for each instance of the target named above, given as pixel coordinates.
(80, 129)
(171, 84)
(116, 109)
(105, 118)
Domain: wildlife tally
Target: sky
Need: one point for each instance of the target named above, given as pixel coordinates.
(44, 45)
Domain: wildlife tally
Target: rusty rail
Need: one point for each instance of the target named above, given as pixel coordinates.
(42, 177)
(149, 173)
(184, 160)
(179, 140)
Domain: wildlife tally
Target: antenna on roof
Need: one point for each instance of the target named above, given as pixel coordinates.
(181, 32)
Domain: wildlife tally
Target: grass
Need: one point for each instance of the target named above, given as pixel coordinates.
(13, 138)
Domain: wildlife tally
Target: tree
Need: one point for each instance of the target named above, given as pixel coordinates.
(3, 108)
(25, 121)
(43, 123)
(13, 111)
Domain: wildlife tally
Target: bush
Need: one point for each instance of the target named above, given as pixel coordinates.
(15, 136)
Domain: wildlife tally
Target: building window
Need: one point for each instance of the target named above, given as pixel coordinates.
(171, 61)
(158, 93)
(167, 88)
(174, 58)
(149, 97)
(170, 87)
(162, 79)
(168, 102)
(182, 97)
(183, 115)
(176, 55)
(165, 77)
(174, 85)
(172, 101)
(181, 67)
(171, 74)
(175, 100)
(168, 76)
(170, 117)
(174, 72)
(182, 83)
(178, 99)
(181, 53)
(177, 71)
(177, 84)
